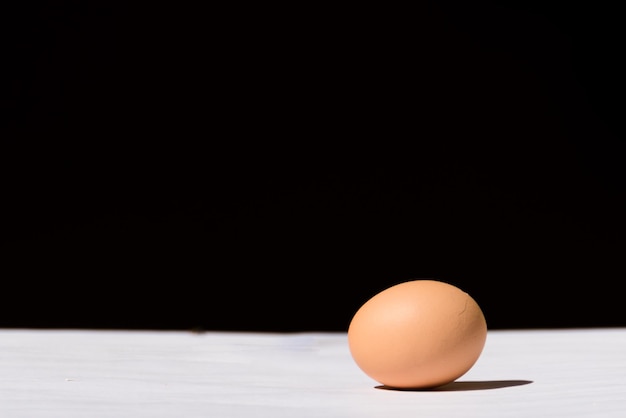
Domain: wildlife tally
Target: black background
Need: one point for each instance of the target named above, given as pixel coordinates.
(169, 166)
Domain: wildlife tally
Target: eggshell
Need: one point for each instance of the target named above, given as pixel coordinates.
(417, 334)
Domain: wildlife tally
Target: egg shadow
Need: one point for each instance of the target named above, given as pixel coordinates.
(463, 386)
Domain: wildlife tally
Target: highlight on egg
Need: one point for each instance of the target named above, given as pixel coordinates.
(418, 334)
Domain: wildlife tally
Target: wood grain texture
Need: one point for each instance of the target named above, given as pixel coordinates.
(88, 373)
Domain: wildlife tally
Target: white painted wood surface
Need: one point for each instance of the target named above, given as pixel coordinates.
(87, 373)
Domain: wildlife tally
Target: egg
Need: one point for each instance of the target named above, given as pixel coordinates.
(417, 334)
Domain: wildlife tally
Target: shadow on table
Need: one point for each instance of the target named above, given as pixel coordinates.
(465, 385)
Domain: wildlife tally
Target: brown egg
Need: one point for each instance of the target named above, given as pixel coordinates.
(417, 334)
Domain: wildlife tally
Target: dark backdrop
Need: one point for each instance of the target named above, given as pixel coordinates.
(257, 168)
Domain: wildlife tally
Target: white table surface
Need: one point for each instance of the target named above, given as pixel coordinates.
(91, 374)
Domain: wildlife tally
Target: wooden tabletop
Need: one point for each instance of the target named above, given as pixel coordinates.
(113, 373)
